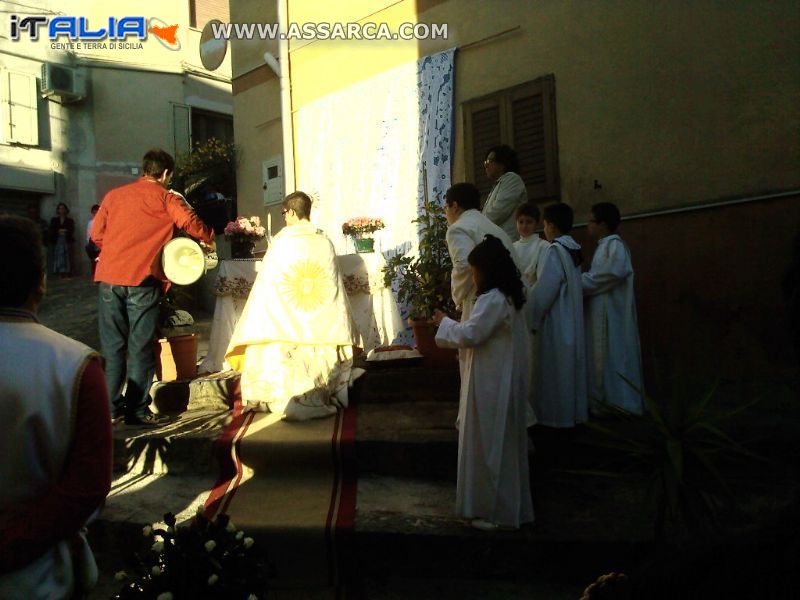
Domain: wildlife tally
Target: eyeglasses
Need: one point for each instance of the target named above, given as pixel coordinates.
(284, 211)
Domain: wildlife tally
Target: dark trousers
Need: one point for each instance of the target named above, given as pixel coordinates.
(128, 319)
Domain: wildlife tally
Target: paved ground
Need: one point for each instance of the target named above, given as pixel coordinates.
(70, 307)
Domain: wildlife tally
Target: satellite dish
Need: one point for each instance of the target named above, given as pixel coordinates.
(184, 261)
(212, 50)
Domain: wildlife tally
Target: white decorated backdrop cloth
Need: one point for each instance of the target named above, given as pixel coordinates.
(382, 130)
(375, 312)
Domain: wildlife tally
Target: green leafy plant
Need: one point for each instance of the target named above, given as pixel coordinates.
(680, 445)
(423, 281)
(209, 559)
(209, 163)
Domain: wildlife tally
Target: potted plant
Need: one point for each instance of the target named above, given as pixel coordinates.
(243, 233)
(359, 229)
(423, 281)
(176, 344)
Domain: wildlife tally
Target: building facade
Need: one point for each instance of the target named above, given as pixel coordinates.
(685, 116)
(78, 114)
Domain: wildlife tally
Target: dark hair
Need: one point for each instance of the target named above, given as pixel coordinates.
(497, 270)
(94, 208)
(464, 194)
(560, 215)
(506, 156)
(608, 213)
(300, 203)
(156, 161)
(60, 204)
(529, 209)
(21, 259)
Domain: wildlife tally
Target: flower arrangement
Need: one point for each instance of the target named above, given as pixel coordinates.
(209, 559)
(245, 229)
(361, 225)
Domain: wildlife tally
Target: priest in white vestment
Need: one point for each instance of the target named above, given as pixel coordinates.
(508, 192)
(493, 478)
(467, 228)
(612, 331)
(293, 342)
(555, 303)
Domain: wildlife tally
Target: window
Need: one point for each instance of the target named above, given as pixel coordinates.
(207, 125)
(20, 108)
(523, 117)
(181, 128)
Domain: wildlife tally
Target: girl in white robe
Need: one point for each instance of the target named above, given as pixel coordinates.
(493, 485)
(612, 331)
(556, 314)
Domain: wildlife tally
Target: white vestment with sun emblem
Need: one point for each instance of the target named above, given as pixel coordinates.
(293, 342)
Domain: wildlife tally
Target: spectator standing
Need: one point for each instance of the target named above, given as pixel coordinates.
(55, 436)
(509, 190)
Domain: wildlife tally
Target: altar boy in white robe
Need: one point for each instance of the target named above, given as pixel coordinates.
(529, 246)
(493, 486)
(293, 342)
(556, 315)
(612, 331)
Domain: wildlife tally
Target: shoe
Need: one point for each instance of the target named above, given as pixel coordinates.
(146, 420)
(485, 525)
(117, 416)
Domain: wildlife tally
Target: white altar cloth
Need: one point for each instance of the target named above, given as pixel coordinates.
(375, 312)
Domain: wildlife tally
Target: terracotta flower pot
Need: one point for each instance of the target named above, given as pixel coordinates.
(425, 338)
(176, 357)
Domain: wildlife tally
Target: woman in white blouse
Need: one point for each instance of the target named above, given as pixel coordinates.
(509, 191)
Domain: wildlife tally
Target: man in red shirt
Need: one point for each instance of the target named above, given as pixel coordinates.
(131, 227)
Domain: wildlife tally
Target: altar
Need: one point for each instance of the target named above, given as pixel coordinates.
(375, 313)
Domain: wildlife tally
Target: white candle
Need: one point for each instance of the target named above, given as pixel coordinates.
(269, 225)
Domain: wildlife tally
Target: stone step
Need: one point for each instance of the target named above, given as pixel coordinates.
(386, 384)
(406, 527)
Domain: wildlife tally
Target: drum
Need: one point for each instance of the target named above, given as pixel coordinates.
(184, 261)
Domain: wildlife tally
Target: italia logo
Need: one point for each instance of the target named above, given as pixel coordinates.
(78, 29)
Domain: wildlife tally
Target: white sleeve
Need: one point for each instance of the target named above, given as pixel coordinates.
(506, 200)
(610, 266)
(459, 245)
(488, 314)
(544, 292)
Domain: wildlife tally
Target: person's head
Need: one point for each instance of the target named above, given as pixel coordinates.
(95, 208)
(21, 263)
(493, 267)
(158, 164)
(62, 210)
(557, 220)
(459, 198)
(527, 217)
(296, 207)
(605, 220)
(499, 160)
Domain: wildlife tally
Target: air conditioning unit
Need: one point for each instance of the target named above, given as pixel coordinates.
(67, 84)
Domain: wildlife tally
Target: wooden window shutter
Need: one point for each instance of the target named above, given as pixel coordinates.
(483, 125)
(22, 108)
(524, 118)
(533, 137)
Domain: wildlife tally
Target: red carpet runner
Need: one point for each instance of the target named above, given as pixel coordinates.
(292, 487)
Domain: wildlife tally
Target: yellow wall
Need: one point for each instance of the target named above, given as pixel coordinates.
(256, 108)
(665, 104)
